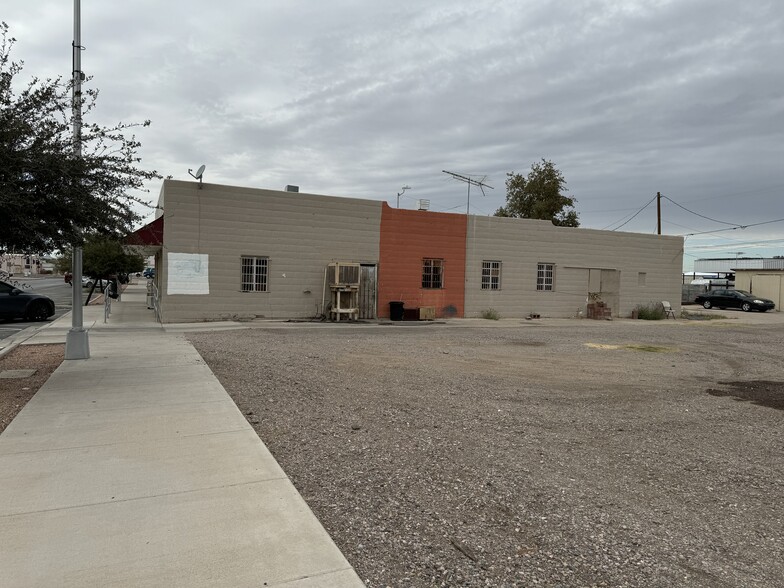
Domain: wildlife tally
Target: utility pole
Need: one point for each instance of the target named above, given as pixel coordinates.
(658, 213)
(77, 343)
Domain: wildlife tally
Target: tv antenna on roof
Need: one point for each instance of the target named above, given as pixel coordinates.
(199, 173)
(471, 182)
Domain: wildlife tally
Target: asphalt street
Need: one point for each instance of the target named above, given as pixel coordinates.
(55, 288)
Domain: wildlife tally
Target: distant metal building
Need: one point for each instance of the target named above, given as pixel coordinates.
(725, 265)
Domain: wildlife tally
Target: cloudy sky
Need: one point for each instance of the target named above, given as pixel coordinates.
(359, 98)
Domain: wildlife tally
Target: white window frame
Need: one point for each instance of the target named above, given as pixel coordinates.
(432, 269)
(491, 274)
(545, 277)
(254, 273)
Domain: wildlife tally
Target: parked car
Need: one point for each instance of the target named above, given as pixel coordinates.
(149, 272)
(734, 299)
(16, 303)
(87, 282)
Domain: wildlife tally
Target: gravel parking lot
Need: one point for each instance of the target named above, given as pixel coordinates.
(519, 453)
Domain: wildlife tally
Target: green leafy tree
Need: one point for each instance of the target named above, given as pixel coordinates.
(62, 264)
(103, 257)
(539, 195)
(49, 197)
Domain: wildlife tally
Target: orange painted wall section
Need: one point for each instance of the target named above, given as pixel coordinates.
(409, 236)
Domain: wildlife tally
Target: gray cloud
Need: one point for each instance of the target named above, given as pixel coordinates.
(356, 99)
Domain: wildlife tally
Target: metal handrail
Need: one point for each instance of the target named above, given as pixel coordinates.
(107, 304)
(156, 301)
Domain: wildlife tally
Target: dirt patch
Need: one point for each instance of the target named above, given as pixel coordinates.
(16, 392)
(759, 392)
(649, 348)
(478, 457)
(632, 347)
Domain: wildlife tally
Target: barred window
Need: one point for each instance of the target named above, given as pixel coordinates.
(491, 275)
(432, 273)
(254, 273)
(545, 272)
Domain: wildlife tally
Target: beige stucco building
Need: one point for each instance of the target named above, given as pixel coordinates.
(23, 264)
(227, 252)
(765, 283)
(292, 237)
(628, 269)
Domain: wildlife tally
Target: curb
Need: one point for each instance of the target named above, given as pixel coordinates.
(18, 339)
(15, 341)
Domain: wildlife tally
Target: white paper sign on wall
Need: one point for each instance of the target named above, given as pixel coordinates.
(188, 273)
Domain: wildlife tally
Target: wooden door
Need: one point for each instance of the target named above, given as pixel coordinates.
(367, 291)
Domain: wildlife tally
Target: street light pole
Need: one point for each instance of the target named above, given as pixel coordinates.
(402, 191)
(77, 343)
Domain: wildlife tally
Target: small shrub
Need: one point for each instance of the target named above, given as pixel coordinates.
(653, 311)
(491, 314)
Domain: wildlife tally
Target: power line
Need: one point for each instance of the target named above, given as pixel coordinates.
(778, 220)
(733, 226)
(730, 241)
(739, 244)
(734, 241)
(669, 222)
(632, 217)
(448, 209)
(776, 187)
(700, 215)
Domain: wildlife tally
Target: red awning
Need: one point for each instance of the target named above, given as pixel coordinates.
(150, 235)
(147, 240)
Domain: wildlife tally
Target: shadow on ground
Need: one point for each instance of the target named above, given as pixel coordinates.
(760, 392)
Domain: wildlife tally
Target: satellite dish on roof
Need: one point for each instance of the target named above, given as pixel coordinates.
(199, 173)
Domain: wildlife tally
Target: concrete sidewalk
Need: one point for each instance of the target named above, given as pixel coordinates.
(135, 468)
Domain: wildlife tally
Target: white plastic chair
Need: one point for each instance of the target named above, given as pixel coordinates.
(668, 311)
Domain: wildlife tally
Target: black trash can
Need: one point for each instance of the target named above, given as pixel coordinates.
(113, 289)
(396, 310)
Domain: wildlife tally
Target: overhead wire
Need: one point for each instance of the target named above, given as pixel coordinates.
(730, 239)
(647, 204)
(669, 222)
(714, 197)
(448, 209)
(778, 220)
(740, 244)
(732, 227)
(698, 214)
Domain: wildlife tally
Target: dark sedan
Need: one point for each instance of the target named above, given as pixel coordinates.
(15, 303)
(734, 299)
